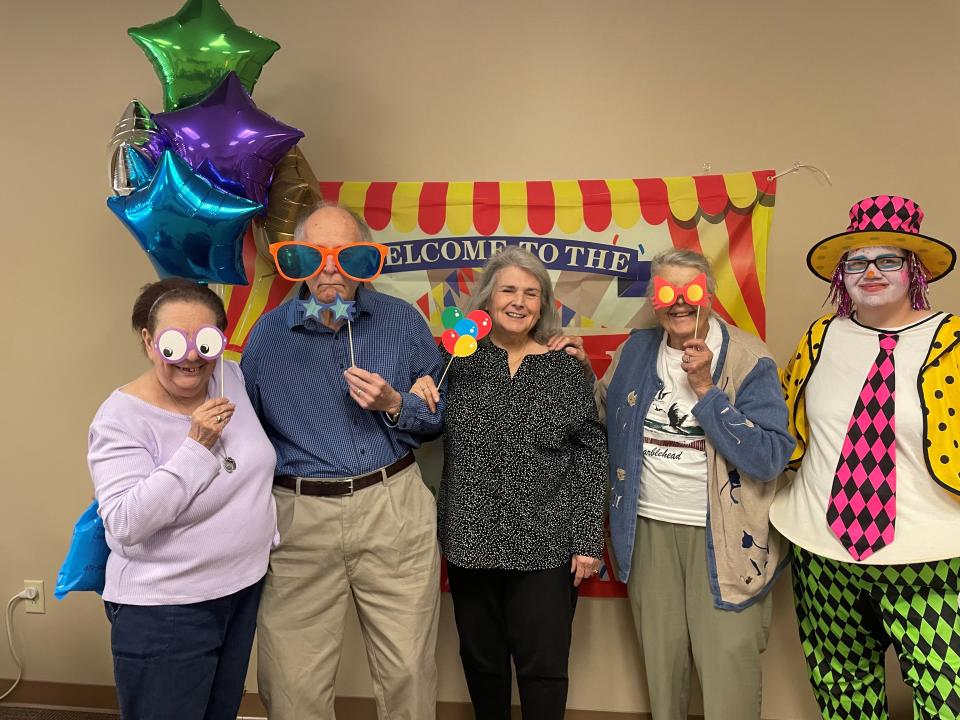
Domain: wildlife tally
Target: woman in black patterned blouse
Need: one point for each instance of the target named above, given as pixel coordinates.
(522, 496)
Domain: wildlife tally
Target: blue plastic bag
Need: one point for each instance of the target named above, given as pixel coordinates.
(85, 565)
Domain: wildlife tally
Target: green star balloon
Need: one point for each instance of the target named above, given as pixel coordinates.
(193, 51)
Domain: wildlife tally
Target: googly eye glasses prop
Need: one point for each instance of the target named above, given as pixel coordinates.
(694, 293)
(360, 261)
(173, 344)
(462, 332)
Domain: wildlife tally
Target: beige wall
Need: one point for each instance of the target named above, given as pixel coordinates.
(443, 90)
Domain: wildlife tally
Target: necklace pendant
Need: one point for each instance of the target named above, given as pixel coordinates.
(229, 464)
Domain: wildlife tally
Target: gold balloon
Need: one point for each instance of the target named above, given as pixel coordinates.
(293, 190)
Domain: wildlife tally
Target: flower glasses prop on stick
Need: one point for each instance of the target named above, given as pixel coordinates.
(461, 333)
(694, 293)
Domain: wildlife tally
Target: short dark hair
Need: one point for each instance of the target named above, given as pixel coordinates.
(155, 295)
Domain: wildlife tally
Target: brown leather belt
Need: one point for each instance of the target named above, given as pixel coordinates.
(334, 487)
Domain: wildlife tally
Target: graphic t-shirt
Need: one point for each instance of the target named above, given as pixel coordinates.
(673, 486)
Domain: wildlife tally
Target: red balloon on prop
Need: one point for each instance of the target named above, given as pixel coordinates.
(483, 321)
(449, 339)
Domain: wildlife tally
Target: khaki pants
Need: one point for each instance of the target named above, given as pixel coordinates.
(377, 548)
(673, 609)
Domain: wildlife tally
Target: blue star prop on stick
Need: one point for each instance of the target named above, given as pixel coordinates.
(343, 309)
(340, 308)
(311, 308)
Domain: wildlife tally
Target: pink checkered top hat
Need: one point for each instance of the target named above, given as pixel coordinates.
(883, 221)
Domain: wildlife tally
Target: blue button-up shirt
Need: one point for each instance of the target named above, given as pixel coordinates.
(293, 367)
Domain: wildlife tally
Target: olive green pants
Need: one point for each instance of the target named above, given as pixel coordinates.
(676, 621)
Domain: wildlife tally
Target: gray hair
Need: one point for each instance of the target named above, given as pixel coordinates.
(362, 227)
(682, 258)
(514, 256)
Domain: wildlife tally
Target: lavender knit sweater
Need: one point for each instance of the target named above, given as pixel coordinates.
(181, 529)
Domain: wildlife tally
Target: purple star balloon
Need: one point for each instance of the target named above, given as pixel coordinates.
(226, 130)
(188, 227)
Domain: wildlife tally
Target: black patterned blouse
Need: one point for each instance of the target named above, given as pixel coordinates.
(525, 463)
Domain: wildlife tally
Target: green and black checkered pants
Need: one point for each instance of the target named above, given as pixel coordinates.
(849, 614)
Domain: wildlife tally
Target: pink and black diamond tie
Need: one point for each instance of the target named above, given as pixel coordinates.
(863, 502)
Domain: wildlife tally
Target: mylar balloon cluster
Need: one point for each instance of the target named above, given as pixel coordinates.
(462, 331)
(188, 181)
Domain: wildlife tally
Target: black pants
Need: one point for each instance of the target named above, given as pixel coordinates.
(525, 615)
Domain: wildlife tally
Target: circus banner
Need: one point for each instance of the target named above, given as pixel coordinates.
(596, 238)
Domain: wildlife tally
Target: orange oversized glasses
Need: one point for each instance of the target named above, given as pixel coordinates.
(297, 260)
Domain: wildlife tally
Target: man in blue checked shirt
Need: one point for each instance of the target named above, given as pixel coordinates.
(355, 518)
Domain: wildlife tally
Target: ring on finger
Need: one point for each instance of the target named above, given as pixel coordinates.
(219, 418)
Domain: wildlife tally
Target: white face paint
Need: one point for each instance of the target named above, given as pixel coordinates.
(873, 288)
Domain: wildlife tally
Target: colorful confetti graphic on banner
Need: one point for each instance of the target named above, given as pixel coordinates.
(596, 237)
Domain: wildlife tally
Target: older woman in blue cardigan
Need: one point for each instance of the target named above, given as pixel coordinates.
(697, 432)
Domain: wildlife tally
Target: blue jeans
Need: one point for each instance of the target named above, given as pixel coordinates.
(183, 661)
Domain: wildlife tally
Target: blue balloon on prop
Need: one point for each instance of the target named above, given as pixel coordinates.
(187, 227)
(139, 168)
(466, 326)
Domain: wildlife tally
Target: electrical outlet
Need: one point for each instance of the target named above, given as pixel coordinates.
(38, 604)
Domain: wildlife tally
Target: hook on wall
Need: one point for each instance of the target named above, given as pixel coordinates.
(797, 166)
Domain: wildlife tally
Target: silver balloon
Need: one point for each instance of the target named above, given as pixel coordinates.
(135, 132)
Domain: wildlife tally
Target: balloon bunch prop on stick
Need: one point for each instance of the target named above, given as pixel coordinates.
(187, 227)
(193, 50)
(340, 309)
(228, 139)
(694, 293)
(461, 333)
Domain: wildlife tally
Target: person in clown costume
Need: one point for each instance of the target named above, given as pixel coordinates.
(873, 510)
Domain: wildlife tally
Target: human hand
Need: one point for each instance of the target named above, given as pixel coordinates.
(696, 361)
(372, 392)
(583, 567)
(426, 389)
(208, 421)
(572, 345)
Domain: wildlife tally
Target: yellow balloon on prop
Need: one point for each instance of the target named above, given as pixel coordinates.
(466, 345)
(694, 293)
(666, 295)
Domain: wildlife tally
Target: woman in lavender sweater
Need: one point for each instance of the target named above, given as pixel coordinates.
(183, 473)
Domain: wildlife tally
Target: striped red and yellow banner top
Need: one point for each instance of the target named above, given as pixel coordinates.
(725, 216)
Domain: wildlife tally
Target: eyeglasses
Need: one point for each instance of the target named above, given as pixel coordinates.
(173, 344)
(884, 263)
(361, 261)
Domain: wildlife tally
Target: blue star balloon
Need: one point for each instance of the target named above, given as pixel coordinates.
(227, 132)
(187, 227)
